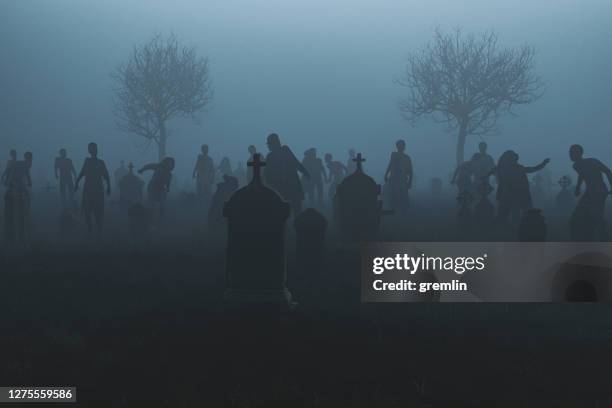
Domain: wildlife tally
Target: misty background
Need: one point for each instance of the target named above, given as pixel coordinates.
(319, 73)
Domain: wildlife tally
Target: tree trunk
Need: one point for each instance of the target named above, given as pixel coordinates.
(162, 141)
(461, 142)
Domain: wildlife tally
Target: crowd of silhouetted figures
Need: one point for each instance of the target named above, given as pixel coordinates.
(341, 192)
(163, 302)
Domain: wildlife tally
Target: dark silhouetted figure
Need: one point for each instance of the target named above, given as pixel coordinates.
(337, 172)
(588, 217)
(120, 172)
(463, 176)
(11, 160)
(130, 188)
(351, 166)
(357, 207)
(255, 259)
(159, 184)
(281, 173)
(482, 163)
(313, 186)
(204, 173)
(399, 174)
(17, 201)
(65, 172)
(513, 194)
(92, 204)
(224, 191)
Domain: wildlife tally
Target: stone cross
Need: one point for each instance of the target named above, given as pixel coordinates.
(256, 164)
(359, 160)
(131, 168)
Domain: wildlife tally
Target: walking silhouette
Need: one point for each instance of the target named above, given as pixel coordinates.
(399, 174)
(588, 221)
(281, 173)
(92, 204)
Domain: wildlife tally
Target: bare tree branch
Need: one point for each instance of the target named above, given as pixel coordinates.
(161, 80)
(467, 82)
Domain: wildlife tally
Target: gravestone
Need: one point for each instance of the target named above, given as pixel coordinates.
(532, 227)
(357, 207)
(255, 257)
(565, 199)
(130, 188)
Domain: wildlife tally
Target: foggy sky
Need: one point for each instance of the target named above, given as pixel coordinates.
(320, 73)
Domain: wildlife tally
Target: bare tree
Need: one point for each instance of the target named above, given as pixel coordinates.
(161, 80)
(467, 82)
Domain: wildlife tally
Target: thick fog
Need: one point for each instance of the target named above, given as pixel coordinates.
(319, 73)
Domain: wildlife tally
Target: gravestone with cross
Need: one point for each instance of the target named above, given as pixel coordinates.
(357, 206)
(130, 188)
(255, 258)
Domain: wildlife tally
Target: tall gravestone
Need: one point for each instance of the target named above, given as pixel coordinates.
(255, 258)
(357, 207)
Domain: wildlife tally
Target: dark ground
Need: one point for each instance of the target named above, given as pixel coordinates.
(146, 326)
